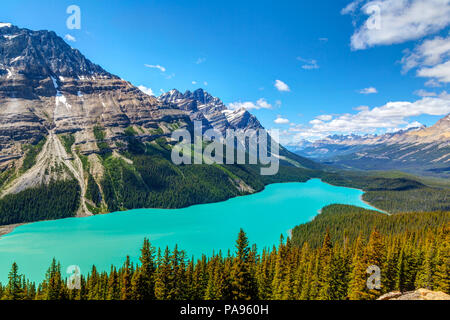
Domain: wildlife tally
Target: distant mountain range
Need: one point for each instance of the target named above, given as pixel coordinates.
(64, 118)
(421, 150)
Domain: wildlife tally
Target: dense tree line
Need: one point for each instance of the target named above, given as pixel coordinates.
(335, 270)
(345, 221)
(390, 193)
(58, 199)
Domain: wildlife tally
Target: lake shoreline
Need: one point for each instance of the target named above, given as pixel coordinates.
(6, 229)
(105, 239)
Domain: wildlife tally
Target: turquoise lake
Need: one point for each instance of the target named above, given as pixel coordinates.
(107, 239)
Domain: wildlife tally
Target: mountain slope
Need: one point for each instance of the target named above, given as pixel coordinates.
(423, 150)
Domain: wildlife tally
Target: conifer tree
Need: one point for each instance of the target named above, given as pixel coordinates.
(14, 289)
(243, 285)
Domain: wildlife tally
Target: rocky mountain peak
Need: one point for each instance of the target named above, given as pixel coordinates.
(41, 54)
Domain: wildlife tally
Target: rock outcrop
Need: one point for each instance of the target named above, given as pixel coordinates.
(419, 294)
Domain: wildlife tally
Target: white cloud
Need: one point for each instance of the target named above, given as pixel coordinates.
(156, 66)
(325, 117)
(369, 90)
(431, 58)
(397, 21)
(194, 82)
(424, 93)
(281, 86)
(205, 83)
(309, 64)
(441, 72)
(391, 116)
(281, 120)
(323, 39)
(200, 60)
(351, 7)
(260, 104)
(69, 37)
(146, 90)
(432, 83)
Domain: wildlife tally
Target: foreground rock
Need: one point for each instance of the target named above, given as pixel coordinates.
(420, 294)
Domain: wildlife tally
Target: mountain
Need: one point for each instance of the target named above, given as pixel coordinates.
(200, 105)
(420, 150)
(76, 139)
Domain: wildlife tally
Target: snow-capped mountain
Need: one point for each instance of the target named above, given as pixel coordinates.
(418, 150)
(201, 105)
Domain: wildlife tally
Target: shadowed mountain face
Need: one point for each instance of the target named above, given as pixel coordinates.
(63, 118)
(419, 150)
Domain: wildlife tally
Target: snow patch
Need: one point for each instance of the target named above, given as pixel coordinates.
(10, 37)
(3, 25)
(17, 59)
(60, 98)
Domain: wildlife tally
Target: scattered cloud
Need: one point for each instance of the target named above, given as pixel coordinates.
(194, 82)
(281, 86)
(351, 7)
(325, 117)
(323, 39)
(441, 72)
(391, 116)
(146, 90)
(432, 83)
(424, 93)
(396, 21)
(369, 90)
(281, 120)
(309, 64)
(431, 59)
(157, 66)
(69, 37)
(260, 104)
(205, 83)
(200, 60)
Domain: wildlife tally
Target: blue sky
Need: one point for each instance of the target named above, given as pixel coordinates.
(333, 70)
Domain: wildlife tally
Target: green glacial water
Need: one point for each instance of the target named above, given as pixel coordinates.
(107, 239)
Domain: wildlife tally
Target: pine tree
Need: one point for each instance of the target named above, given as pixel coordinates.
(325, 268)
(147, 271)
(126, 292)
(442, 275)
(358, 278)
(113, 285)
(375, 255)
(162, 277)
(54, 285)
(14, 289)
(243, 285)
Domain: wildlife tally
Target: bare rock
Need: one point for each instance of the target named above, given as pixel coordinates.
(419, 294)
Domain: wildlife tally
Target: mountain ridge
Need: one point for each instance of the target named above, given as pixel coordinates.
(423, 150)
